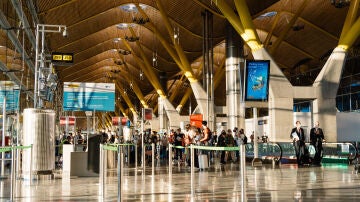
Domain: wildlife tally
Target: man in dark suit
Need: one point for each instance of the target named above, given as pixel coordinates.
(316, 139)
(298, 136)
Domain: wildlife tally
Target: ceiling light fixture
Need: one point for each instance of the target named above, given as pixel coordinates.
(176, 34)
(119, 62)
(117, 40)
(340, 3)
(124, 52)
(132, 38)
(298, 27)
(140, 20)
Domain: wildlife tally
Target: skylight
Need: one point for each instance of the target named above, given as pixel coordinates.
(267, 15)
(125, 25)
(131, 7)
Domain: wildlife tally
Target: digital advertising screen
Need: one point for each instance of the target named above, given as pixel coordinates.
(257, 80)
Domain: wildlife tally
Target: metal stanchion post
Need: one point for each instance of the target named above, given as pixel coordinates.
(143, 158)
(136, 155)
(192, 170)
(119, 172)
(128, 155)
(30, 173)
(152, 157)
(104, 170)
(170, 158)
(242, 171)
(101, 170)
(12, 173)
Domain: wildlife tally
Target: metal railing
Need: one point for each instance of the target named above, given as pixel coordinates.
(14, 161)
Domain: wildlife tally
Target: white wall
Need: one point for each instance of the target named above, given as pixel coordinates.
(348, 126)
(261, 129)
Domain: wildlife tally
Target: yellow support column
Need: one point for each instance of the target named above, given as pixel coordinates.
(250, 35)
(184, 61)
(125, 97)
(152, 76)
(161, 38)
(350, 18)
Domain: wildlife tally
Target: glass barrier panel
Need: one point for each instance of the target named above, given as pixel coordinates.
(288, 150)
(264, 150)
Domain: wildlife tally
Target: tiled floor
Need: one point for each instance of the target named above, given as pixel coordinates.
(218, 183)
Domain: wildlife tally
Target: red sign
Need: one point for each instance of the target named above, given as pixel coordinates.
(196, 120)
(116, 120)
(148, 114)
(70, 118)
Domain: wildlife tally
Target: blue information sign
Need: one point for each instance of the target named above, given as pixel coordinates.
(89, 96)
(11, 91)
(12, 99)
(257, 80)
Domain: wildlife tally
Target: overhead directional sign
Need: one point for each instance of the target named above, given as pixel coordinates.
(11, 91)
(89, 96)
(62, 58)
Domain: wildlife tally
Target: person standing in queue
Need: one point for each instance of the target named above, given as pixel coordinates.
(206, 133)
(316, 139)
(298, 136)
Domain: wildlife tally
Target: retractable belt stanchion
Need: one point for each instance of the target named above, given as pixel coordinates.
(31, 154)
(170, 159)
(136, 156)
(242, 171)
(12, 173)
(101, 166)
(192, 155)
(119, 168)
(152, 157)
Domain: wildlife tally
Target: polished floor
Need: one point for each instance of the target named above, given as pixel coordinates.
(218, 183)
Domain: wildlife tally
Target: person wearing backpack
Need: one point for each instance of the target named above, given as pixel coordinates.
(206, 134)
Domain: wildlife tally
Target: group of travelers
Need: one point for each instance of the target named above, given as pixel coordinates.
(316, 139)
(205, 137)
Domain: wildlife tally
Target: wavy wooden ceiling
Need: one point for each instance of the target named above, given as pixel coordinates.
(92, 28)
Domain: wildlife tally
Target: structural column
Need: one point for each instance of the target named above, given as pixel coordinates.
(161, 114)
(281, 99)
(234, 51)
(326, 86)
(208, 71)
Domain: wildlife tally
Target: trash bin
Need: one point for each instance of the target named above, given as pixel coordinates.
(94, 153)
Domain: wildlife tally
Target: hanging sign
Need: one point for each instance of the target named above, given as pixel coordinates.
(62, 58)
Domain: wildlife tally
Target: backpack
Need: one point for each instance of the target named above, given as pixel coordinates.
(245, 139)
(210, 136)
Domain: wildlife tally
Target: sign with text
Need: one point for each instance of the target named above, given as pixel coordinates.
(116, 120)
(89, 96)
(70, 120)
(257, 80)
(148, 114)
(196, 120)
(9, 90)
(62, 58)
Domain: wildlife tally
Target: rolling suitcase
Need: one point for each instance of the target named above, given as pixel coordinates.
(203, 161)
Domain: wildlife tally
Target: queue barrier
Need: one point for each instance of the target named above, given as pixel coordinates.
(14, 160)
(103, 162)
(285, 152)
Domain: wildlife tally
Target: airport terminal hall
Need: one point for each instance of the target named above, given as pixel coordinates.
(180, 100)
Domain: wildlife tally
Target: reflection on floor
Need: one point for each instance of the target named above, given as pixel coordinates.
(218, 183)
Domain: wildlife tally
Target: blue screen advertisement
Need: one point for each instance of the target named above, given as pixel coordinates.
(257, 80)
(9, 90)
